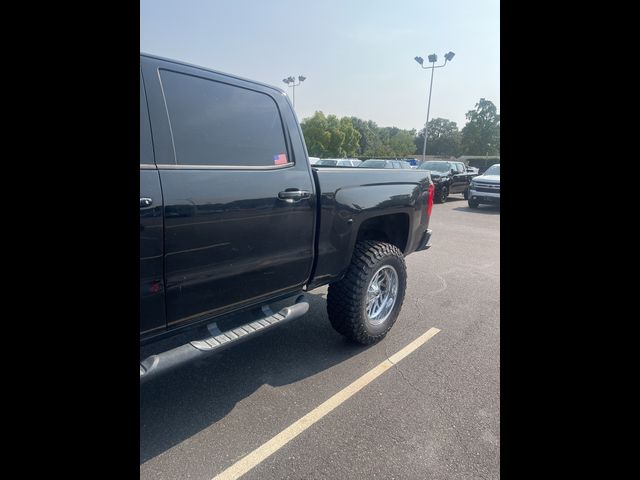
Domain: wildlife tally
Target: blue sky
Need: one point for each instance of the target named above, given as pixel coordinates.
(357, 55)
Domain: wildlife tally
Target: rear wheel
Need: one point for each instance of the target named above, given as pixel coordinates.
(466, 193)
(365, 304)
(441, 195)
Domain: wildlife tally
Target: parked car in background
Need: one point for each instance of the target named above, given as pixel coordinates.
(485, 188)
(448, 177)
(380, 163)
(473, 170)
(313, 160)
(411, 161)
(338, 162)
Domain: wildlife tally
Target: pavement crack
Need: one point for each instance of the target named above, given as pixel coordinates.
(444, 285)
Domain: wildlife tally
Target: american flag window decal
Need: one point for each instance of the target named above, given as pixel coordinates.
(280, 159)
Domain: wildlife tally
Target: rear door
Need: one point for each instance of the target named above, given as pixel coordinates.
(152, 309)
(458, 179)
(239, 198)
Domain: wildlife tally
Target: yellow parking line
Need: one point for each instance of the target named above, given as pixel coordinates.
(265, 450)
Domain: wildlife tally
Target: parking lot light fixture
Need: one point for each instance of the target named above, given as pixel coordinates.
(291, 82)
(433, 58)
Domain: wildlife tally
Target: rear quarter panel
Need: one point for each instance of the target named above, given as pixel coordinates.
(351, 196)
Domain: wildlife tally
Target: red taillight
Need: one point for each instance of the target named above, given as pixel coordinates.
(430, 201)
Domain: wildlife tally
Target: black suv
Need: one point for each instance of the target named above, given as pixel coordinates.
(448, 177)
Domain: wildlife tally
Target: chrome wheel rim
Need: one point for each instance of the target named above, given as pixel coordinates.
(381, 294)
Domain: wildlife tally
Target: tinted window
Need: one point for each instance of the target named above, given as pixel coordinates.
(441, 167)
(330, 163)
(217, 124)
(146, 147)
(372, 164)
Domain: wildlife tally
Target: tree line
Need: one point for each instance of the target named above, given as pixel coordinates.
(330, 136)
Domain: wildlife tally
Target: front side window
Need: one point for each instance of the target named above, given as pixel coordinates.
(213, 123)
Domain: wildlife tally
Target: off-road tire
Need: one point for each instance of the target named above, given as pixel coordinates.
(473, 204)
(346, 299)
(441, 195)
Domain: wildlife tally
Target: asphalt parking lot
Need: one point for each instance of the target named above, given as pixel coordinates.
(435, 414)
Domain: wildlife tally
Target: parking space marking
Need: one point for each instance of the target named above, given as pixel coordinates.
(276, 443)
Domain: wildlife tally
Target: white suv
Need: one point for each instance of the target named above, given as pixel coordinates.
(485, 188)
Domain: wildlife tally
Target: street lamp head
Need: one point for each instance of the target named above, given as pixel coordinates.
(449, 56)
(433, 58)
(302, 78)
(285, 80)
(420, 60)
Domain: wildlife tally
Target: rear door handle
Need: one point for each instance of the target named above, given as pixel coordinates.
(293, 195)
(145, 202)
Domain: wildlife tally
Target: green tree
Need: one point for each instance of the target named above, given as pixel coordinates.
(351, 142)
(316, 134)
(328, 136)
(401, 142)
(369, 142)
(336, 138)
(443, 138)
(481, 134)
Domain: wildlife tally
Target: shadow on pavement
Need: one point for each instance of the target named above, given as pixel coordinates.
(486, 209)
(457, 198)
(178, 405)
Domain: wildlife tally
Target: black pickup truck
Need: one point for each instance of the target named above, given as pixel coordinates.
(233, 218)
(449, 177)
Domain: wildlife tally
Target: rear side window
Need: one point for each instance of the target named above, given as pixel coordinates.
(213, 123)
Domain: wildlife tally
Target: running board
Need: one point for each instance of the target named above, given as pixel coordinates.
(197, 349)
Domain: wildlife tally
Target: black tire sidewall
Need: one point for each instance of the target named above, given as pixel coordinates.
(442, 195)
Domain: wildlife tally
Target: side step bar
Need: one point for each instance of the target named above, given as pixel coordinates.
(165, 361)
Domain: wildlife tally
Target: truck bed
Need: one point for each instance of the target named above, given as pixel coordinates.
(351, 196)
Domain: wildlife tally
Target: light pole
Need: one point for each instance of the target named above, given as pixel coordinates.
(433, 58)
(292, 83)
